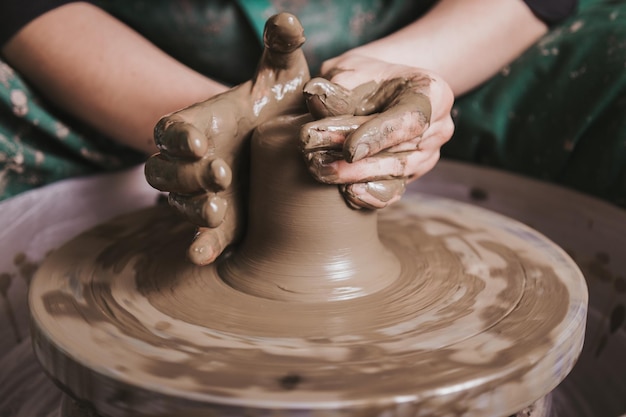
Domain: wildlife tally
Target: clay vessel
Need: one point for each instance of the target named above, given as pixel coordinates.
(303, 242)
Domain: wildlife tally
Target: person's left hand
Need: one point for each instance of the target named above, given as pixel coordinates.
(203, 149)
(379, 126)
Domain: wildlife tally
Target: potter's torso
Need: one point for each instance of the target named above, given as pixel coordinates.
(224, 39)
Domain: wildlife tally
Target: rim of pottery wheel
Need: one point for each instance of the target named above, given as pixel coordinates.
(123, 321)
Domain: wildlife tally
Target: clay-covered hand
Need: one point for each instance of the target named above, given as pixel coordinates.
(202, 159)
(379, 126)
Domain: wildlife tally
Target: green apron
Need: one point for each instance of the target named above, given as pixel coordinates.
(556, 113)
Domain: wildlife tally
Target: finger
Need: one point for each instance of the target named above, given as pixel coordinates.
(407, 118)
(208, 244)
(374, 194)
(329, 133)
(322, 165)
(417, 144)
(206, 210)
(326, 99)
(187, 178)
(220, 175)
(437, 135)
(376, 99)
(177, 138)
(283, 33)
(383, 166)
(166, 175)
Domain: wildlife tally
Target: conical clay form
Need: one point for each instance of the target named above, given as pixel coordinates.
(303, 242)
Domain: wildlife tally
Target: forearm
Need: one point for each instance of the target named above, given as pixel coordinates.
(99, 70)
(464, 41)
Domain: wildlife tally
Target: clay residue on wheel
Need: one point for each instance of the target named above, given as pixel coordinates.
(445, 306)
(434, 326)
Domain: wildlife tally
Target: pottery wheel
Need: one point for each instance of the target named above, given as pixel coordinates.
(482, 317)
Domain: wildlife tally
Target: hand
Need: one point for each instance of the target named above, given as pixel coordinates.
(202, 161)
(382, 125)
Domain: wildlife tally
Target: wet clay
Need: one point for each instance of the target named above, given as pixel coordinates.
(203, 161)
(430, 308)
(480, 315)
(302, 242)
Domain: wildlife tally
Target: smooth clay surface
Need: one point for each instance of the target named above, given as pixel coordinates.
(302, 242)
(479, 316)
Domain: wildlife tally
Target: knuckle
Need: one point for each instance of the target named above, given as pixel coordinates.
(401, 165)
(448, 128)
(191, 207)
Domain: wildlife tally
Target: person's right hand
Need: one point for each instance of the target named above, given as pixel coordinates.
(202, 161)
(380, 126)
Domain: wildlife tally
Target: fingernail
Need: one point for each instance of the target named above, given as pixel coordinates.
(322, 166)
(317, 107)
(327, 173)
(380, 191)
(360, 152)
(349, 192)
(313, 139)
